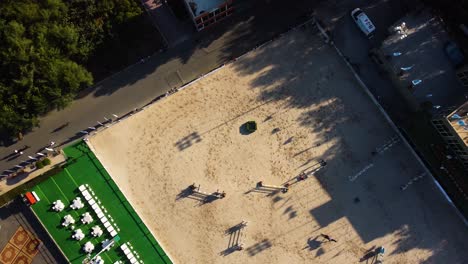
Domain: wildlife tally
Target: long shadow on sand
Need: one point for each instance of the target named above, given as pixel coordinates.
(335, 117)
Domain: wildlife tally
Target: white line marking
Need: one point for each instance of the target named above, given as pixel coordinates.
(353, 178)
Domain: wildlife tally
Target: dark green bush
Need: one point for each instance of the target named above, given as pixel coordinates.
(251, 126)
(39, 164)
(12, 194)
(46, 161)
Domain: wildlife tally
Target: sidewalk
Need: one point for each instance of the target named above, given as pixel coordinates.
(173, 30)
(7, 184)
(141, 83)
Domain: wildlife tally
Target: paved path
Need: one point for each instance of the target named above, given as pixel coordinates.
(173, 30)
(29, 174)
(141, 83)
(354, 45)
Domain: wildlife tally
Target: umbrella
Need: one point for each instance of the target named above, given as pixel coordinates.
(98, 260)
(58, 206)
(68, 220)
(79, 235)
(86, 218)
(88, 247)
(96, 231)
(77, 204)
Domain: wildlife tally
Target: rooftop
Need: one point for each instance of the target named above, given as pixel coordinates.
(203, 6)
(458, 119)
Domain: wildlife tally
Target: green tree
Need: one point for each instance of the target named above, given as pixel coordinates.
(38, 73)
(43, 47)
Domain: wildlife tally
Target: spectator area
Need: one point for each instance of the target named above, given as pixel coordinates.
(83, 168)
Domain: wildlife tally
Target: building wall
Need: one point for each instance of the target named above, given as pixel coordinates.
(462, 75)
(452, 139)
(209, 18)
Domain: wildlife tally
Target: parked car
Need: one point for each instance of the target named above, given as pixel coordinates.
(363, 22)
(454, 53)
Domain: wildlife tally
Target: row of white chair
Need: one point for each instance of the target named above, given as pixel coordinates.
(97, 209)
(131, 255)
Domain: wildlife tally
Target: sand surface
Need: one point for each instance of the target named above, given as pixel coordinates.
(308, 108)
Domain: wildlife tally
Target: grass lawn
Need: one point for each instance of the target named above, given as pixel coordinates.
(84, 168)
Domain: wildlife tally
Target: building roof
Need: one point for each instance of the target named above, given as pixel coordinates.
(203, 6)
(458, 119)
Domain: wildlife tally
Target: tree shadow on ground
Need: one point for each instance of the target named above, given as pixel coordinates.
(247, 28)
(252, 24)
(334, 115)
(18, 178)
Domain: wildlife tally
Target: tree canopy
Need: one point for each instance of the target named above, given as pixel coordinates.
(43, 47)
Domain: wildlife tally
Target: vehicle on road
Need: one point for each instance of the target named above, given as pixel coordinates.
(454, 53)
(363, 22)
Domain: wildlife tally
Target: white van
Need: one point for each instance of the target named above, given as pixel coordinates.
(363, 22)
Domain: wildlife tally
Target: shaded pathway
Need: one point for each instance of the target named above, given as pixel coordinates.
(173, 30)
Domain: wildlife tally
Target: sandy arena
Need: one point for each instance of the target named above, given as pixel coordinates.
(308, 107)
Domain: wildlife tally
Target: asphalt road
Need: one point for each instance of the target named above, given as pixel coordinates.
(139, 84)
(354, 45)
(254, 24)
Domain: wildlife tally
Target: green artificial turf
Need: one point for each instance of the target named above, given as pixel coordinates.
(84, 168)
